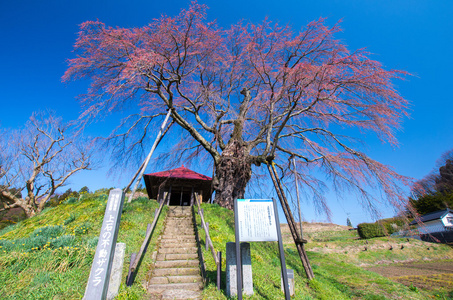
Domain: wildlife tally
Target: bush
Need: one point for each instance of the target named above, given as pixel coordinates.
(381, 228)
(370, 230)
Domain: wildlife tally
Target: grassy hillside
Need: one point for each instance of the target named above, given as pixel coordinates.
(337, 256)
(49, 256)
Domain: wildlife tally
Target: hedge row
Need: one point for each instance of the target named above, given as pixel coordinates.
(381, 228)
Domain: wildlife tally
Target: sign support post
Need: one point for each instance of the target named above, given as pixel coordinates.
(282, 253)
(238, 251)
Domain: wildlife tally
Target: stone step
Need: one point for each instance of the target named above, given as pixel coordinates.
(175, 271)
(179, 216)
(178, 235)
(165, 264)
(184, 213)
(176, 279)
(175, 234)
(184, 209)
(183, 231)
(172, 242)
(179, 228)
(179, 245)
(179, 223)
(180, 231)
(180, 294)
(182, 256)
(179, 219)
(175, 239)
(178, 250)
(160, 288)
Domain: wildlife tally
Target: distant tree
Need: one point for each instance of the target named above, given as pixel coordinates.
(432, 202)
(435, 190)
(67, 194)
(39, 159)
(348, 222)
(84, 189)
(444, 182)
(248, 95)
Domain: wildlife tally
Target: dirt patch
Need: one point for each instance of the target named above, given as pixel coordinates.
(309, 229)
(426, 275)
(315, 227)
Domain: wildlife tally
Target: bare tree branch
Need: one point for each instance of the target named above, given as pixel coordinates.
(41, 158)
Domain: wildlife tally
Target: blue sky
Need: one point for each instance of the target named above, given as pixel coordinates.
(415, 36)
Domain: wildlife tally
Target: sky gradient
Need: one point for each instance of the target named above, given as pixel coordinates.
(416, 36)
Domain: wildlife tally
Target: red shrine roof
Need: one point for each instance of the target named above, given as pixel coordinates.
(181, 173)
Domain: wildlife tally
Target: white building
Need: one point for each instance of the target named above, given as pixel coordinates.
(437, 221)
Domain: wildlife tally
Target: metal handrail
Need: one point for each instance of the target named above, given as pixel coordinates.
(208, 241)
(205, 227)
(136, 259)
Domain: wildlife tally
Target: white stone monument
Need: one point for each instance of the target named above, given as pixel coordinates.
(231, 281)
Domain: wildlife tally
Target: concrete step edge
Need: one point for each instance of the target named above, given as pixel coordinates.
(160, 288)
(176, 279)
(158, 272)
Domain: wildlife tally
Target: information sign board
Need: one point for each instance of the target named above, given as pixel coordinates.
(256, 220)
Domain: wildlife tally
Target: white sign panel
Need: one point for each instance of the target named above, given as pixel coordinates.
(256, 220)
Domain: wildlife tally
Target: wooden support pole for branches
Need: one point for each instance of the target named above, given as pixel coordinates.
(298, 199)
(145, 163)
(291, 223)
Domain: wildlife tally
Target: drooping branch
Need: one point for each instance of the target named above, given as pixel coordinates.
(254, 92)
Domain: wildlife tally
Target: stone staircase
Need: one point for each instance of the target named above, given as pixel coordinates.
(176, 273)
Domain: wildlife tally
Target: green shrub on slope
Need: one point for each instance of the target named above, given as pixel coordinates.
(381, 228)
(370, 230)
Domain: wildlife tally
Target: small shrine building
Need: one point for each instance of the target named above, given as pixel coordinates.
(178, 186)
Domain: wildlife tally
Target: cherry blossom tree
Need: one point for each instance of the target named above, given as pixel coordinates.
(38, 159)
(248, 95)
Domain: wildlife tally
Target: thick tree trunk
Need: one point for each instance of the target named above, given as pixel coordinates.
(233, 172)
(29, 209)
(25, 204)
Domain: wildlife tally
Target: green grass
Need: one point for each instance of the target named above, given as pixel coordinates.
(337, 275)
(49, 256)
